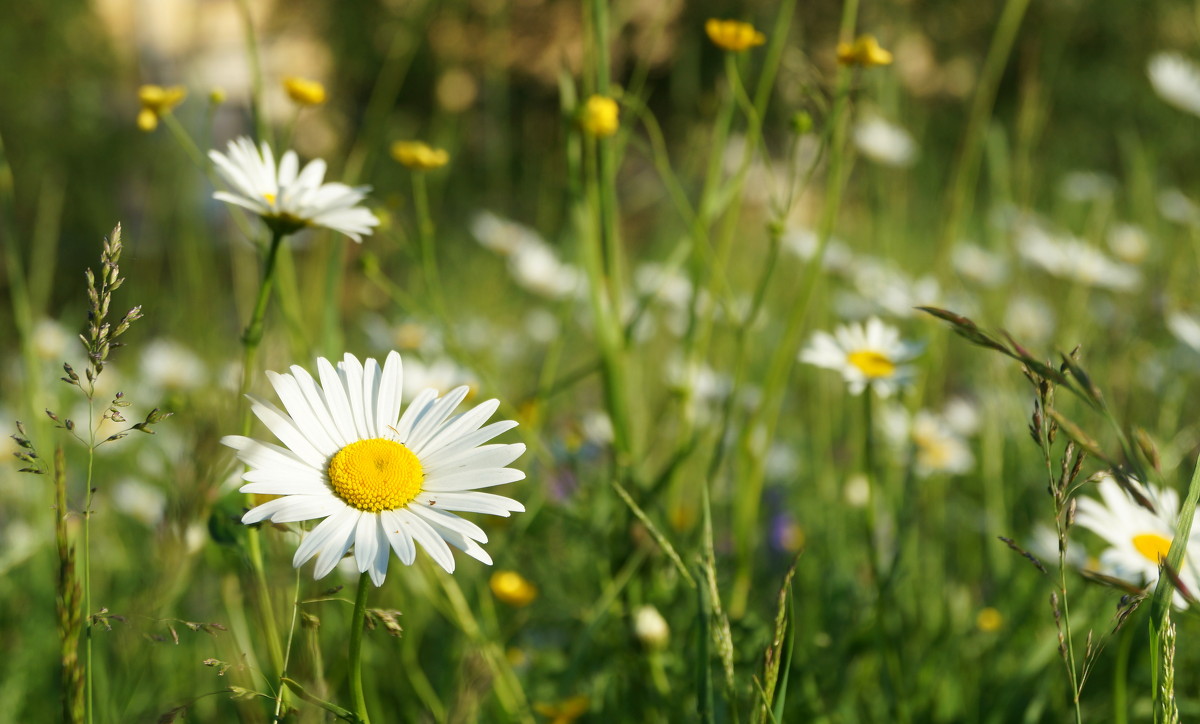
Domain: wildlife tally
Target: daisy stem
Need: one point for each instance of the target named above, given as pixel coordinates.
(253, 335)
(287, 651)
(250, 343)
(356, 634)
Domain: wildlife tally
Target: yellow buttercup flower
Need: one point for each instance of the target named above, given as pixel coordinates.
(512, 588)
(864, 51)
(733, 34)
(419, 155)
(989, 620)
(304, 92)
(600, 116)
(565, 711)
(156, 101)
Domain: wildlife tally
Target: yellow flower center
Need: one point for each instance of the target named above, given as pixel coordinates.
(1152, 546)
(376, 474)
(871, 363)
(270, 198)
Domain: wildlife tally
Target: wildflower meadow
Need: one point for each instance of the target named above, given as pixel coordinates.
(585, 361)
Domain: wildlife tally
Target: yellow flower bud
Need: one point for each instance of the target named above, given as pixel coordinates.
(304, 92)
(733, 35)
(600, 116)
(864, 51)
(419, 155)
(156, 101)
(216, 96)
(512, 588)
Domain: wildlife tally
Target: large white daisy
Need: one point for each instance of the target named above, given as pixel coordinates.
(870, 354)
(380, 480)
(1138, 538)
(289, 198)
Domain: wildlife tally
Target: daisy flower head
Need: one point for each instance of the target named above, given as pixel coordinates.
(1138, 539)
(381, 481)
(287, 197)
(1176, 79)
(867, 355)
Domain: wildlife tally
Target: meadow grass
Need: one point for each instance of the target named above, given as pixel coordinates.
(851, 349)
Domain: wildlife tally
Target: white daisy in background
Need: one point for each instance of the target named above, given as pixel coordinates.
(979, 265)
(870, 354)
(1129, 242)
(289, 198)
(939, 449)
(1175, 206)
(1083, 186)
(168, 365)
(379, 479)
(1177, 80)
(1185, 328)
(1138, 538)
(1068, 257)
(885, 142)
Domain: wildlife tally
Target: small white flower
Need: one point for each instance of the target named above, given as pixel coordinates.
(1186, 329)
(1129, 243)
(1177, 80)
(979, 265)
(870, 354)
(651, 628)
(171, 366)
(50, 340)
(381, 481)
(1175, 206)
(939, 449)
(1138, 538)
(289, 198)
(1067, 257)
(885, 142)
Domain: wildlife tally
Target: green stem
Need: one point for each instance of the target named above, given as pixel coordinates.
(356, 634)
(287, 652)
(251, 340)
(185, 141)
(252, 337)
(89, 688)
(425, 232)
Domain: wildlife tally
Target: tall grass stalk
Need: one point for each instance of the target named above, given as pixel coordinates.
(750, 462)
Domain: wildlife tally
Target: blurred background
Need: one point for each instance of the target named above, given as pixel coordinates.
(1078, 145)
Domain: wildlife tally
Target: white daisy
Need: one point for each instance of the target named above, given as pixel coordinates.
(378, 478)
(289, 198)
(1138, 538)
(1177, 80)
(872, 354)
(885, 142)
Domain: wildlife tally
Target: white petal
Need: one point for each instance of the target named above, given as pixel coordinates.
(416, 408)
(465, 423)
(399, 537)
(424, 534)
(428, 423)
(365, 541)
(335, 396)
(285, 429)
(351, 371)
(316, 402)
(334, 532)
(258, 454)
(449, 521)
(472, 503)
(471, 479)
(388, 403)
(480, 436)
(485, 456)
(294, 508)
(301, 413)
(370, 395)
